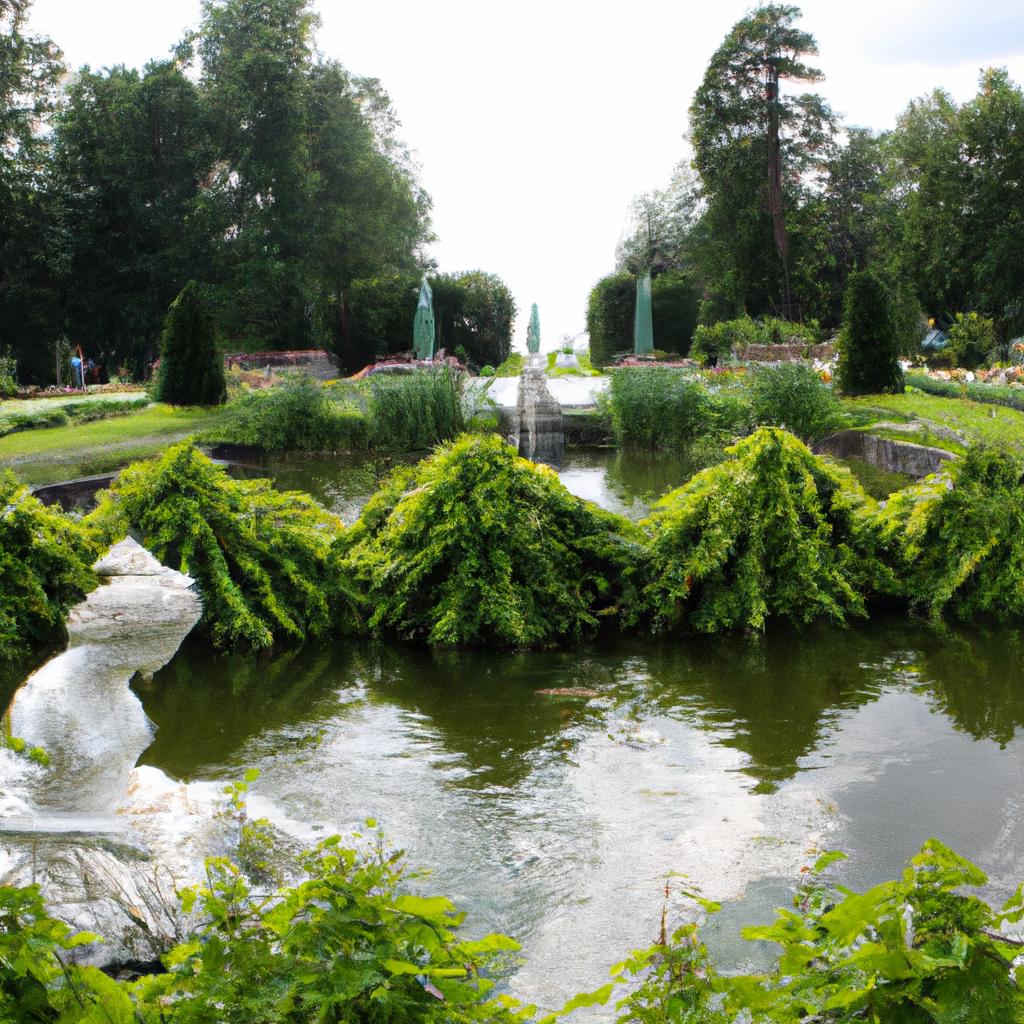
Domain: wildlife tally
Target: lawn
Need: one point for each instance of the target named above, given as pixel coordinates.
(944, 422)
(64, 453)
(9, 406)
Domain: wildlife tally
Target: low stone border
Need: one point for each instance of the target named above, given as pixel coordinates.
(904, 457)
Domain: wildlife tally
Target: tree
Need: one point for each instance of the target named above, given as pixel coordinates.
(756, 150)
(31, 220)
(869, 340)
(191, 366)
(958, 171)
(133, 239)
(660, 222)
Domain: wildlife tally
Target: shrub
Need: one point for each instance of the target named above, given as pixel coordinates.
(971, 340)
(8, 376)
(487, 371)
(191, 366)
(348, 943)
(45, 567)
(296, 415)
(787, 332)
(958, 541)
(710, 344)
(610, 308)
(259, 556)
(478, 546)
(912, 950)
(663, 407)
(773, 532)
(512, 366)
(793, 396)
(416, 410)
(869, 339)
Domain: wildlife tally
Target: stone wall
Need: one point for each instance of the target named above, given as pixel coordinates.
(915, 460)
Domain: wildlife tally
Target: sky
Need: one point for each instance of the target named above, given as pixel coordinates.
(537, 122)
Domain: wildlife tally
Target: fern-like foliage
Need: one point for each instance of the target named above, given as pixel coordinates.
(958, 539)
(45, 567)
(259, 556)
(478, 546)
(774, 532)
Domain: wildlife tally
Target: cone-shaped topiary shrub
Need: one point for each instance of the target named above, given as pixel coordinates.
(478, 546)
(869, 341)
(772, 533)
(45, 567)
(191, 366)
(259, 556)
(958, 539)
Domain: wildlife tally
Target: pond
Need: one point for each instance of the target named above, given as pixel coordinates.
(556, 816)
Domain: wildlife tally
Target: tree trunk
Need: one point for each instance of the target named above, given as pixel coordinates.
(775, 205)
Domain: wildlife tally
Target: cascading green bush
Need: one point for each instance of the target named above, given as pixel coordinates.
(478, 546)
(958, 539)
(45, 567)
(774, 532)
(259, 556)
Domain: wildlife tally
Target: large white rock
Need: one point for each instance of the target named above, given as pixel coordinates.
(109, 843)
(78, 706)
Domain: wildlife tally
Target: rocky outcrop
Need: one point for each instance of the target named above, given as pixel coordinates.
(108, 843)
(914, 460)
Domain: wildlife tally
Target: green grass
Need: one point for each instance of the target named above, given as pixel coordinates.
(877, 482)
(972, 421)
(585, 369)
(64, 453)
(26, 406)
(512, 367)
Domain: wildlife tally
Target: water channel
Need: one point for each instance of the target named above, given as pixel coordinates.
(555, 817)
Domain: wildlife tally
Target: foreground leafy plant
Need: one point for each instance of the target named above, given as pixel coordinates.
(913, 951)
(347, 944)
(774, 532)
(45, 567)
(259, 556)
(476, 545)
(959, 540)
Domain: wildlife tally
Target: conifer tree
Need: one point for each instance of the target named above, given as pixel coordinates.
(191, 366)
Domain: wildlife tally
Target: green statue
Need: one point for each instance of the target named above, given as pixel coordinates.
(533, 332)
(643, 326)
(423, 323)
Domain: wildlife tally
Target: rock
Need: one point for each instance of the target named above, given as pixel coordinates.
(916, 460)
(122, 885)
(78, 706)
(567, 361)
(108, 843)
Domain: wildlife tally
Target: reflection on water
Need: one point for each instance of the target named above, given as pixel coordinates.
(556, 816)
(626, 482)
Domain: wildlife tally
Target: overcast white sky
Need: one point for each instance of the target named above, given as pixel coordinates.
(537, 121)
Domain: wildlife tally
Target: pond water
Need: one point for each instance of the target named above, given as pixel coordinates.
(555, 817)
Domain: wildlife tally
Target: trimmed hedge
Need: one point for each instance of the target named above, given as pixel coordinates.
(990, 394)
